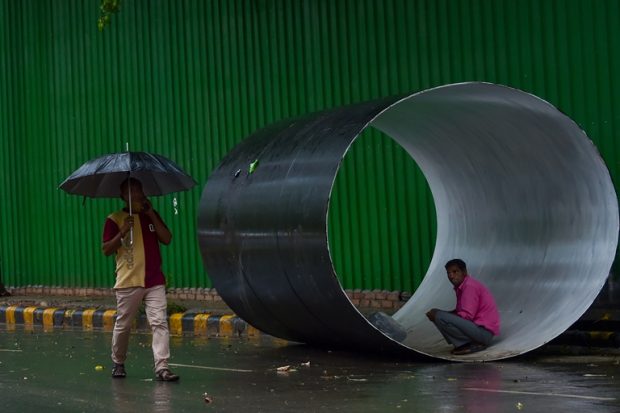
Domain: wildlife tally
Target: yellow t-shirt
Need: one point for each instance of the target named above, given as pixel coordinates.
(130, 260)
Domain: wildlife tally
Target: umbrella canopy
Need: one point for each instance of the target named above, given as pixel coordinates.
(102, 177)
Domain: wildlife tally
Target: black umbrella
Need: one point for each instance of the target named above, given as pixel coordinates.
(102, 177)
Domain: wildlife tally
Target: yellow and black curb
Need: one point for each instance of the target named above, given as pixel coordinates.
(597, 328)
(190, 322)
(211, 325)
(589, 338)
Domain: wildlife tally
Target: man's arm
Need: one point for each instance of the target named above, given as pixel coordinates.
(113, 235)
(163, 233)
(467, 307)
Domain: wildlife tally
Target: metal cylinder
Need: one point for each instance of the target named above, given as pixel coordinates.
(521, 195)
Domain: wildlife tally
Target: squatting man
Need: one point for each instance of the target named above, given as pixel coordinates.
(470, 327)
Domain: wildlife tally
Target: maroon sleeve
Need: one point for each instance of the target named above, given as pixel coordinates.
(110, 230)
(162, 221)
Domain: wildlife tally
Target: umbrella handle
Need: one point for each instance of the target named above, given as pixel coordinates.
(130, 211)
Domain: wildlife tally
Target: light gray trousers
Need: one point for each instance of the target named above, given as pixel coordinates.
(128, 302)
(458, 331)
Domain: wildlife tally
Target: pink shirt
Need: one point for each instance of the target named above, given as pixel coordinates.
(475, 303)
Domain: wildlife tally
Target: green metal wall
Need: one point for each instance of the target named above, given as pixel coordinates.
(190, 79)
(382, 217)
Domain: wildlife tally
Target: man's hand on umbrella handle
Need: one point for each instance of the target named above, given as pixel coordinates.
(127, 225)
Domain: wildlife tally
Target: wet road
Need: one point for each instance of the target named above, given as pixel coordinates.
(57, 372)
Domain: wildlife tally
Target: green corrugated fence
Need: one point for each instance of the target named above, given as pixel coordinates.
(189, 79)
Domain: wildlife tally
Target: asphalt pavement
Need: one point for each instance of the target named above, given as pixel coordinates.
(68, 370)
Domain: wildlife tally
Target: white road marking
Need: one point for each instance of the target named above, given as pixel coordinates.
(209, 368)
(574, 396)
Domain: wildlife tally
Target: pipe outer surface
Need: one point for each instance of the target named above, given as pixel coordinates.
(521, 195)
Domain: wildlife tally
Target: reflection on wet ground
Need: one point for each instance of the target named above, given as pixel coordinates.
(58, 371)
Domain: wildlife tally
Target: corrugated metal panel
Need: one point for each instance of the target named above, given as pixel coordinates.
(189, 79)
(382, 218)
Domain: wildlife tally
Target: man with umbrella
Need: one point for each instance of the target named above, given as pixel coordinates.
(134, 234)
(139, 277)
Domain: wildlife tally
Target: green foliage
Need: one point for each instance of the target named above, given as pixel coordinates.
(107, 7)
(174, 308)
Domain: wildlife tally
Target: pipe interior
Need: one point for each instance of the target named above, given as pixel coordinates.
(522, 196)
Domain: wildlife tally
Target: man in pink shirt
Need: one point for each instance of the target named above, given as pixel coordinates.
(470, 327)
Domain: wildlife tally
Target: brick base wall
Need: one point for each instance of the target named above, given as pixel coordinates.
(378, 300)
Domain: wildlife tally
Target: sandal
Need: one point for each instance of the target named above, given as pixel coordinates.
(166, 375)
(468, 349)
(455, 350)
(118, 372)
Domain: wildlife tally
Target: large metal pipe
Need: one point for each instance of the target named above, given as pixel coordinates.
(521, 195)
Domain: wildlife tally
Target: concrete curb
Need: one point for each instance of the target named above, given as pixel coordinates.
(190, 322)
(583, 338)
(208, 325)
